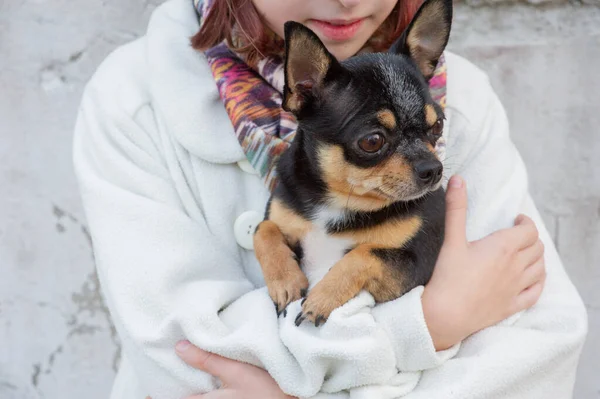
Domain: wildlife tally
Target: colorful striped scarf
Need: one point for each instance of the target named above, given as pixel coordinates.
(253, 97)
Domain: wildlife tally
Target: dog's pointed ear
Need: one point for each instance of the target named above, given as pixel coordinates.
(427, 35)
(307, 63)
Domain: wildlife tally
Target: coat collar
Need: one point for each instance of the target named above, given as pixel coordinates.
(182, 89)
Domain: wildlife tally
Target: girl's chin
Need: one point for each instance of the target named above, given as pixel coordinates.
(342, 51)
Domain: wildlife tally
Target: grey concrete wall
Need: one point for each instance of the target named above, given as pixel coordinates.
(56, 339)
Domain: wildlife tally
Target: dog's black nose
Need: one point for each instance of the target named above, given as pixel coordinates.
(429, 172)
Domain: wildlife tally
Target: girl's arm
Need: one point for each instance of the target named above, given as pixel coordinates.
(535, 354)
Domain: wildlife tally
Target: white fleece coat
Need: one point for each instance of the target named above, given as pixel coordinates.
(156, 158)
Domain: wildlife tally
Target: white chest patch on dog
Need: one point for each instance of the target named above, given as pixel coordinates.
(320, 250)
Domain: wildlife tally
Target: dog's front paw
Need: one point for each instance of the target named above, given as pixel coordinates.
(287, 287)
(318, 305)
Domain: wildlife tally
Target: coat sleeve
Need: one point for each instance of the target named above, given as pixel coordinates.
(535, 353)
(164, 275)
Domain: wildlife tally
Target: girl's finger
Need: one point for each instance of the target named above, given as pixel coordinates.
(524, 234)
(533, 274)
(224, 369)
(456, 211)
(218, 394)
(528, 256)
(530, 295)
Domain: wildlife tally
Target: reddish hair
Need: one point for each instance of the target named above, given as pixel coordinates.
(241, 26)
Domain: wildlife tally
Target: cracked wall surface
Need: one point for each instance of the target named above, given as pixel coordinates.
(57, 338)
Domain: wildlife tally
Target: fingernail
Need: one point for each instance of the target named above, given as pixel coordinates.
(182, 346)
(455, 182)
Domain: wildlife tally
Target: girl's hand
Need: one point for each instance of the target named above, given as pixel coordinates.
(239, 380)
(478, 284)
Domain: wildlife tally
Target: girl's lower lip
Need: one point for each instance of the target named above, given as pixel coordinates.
(339, 32)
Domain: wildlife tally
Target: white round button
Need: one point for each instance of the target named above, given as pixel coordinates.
(245, 165)
(244, 228)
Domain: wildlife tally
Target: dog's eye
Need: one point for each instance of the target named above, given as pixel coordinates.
(438, 128)
(371, 143)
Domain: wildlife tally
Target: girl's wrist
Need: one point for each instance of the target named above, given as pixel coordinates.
(442, 322)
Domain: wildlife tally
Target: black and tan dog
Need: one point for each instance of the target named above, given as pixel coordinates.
(359, 203)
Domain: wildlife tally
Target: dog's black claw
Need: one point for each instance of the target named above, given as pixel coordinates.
(319, 321)
(282, 312)
(303, 293)
(299, 319)
(276, 308)
(303, 300)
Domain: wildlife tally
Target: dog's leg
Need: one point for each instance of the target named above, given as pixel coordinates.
(359, 269)
(284, 279)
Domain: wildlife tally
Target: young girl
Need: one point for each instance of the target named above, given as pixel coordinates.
(174, 149)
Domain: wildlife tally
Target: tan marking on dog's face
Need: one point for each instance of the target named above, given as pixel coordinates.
(387, 119)
(293, 226)
(431, 148)
(393, 233)
(283, 277)
(430, 115)
(365, 189)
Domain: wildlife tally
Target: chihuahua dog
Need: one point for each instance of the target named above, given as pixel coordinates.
(359, 204)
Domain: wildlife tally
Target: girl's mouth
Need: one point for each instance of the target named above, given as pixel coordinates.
(337, 29)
